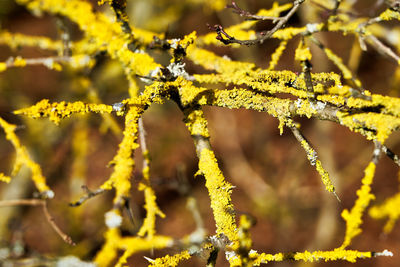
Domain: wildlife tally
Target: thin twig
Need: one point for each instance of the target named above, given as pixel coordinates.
(311, 153)
(382, 48)
(391, 154)
(43, 203)
(377, 152)
(248, 15)
(143, 145)
(264, 35)
(45, 61)
(89, 194)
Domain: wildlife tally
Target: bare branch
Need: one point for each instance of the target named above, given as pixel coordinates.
(89, 194)
(264, 35)
(248, 15)
(391, 154)
(382, 48)
(43, 203)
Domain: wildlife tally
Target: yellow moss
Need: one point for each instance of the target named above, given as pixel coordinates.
(277, 54)
(353, 218)
(388, 209)
(57, 111)
(170, 261)
(220, 195)
(23, 158)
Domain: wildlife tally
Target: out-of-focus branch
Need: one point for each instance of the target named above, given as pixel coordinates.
(250, 16)
(264, 35)
(89, 194)
(49, 218)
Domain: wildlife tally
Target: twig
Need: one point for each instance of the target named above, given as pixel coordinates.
(391, 155)
(143, 145)
(264, 35)
(89, 194)
(377, 152)
(244, 13)
(46, 61)
(382, 48)
(43, 203)
(312, 157)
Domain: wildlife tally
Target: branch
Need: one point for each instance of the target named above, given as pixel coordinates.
(89, 194)
(313, 158)
(264, 35)
(248, 15)
(50, 219)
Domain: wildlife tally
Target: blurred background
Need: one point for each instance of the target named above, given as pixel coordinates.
(275, 183)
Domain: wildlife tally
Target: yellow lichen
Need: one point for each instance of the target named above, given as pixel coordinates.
(123, 161)
(152, 210)
(3, 66)
(241, 30)
(388, 209)
(197, 124)
(220, 195)
(389, 14)
(332, 255)
(5, 178)
(342, 67)
(353, 217)
(106, 35)
(15, 40)
(277, 54)
(314, 161)
(170, 261)
(302, 52)
(23, 158)
(114, 243)
(57, 111)
(211, 61)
